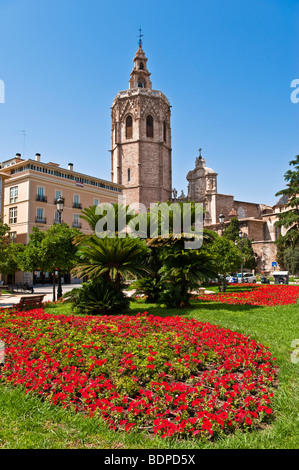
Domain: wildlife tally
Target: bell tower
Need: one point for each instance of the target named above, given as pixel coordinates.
(141, 139)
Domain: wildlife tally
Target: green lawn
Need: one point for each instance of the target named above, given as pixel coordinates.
(26, 422)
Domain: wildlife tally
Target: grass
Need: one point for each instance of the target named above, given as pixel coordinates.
(26, 422)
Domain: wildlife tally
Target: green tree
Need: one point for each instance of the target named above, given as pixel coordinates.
(232, 230)
(59, 252)
(93, 214)
(182, 272)
(227, 259)
(174, 226)
(291, 259)
(10, 260)
(4, 230)
(51, 250)
(117, 259)
(289, 218)
(232, 234)
(32, 257)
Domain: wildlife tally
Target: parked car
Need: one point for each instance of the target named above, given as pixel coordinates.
(213, 282)
(265, 280)
(247, 277)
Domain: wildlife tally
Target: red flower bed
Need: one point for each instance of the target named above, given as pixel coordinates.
(170, 376)
(268, 295)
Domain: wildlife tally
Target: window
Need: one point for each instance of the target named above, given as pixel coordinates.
(95, 202)
(13, 212)
(129, 174)
(141, 66)
(39, 215)
(76, 222)
(58, 194)
(76, 202)
(129, 127)
(13, 237)
(40, 192)
(140, 84)
(164, 131)
(149, 126)
(57, 217)
(14, 194)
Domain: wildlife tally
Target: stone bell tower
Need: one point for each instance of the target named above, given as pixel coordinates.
(141, 139)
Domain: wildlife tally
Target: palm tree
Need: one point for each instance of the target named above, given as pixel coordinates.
(92, 215)
(183, 271)
(117, 259)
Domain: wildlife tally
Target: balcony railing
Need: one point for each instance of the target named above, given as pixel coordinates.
(40, 220)
(41, 198)
(77, 205)
(77, 225)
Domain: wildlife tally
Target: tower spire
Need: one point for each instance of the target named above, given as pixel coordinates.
(140, 76)
(140, 36)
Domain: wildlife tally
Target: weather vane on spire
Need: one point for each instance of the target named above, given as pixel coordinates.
(140, 36)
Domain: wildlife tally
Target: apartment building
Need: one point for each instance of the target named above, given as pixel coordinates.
(30, 189)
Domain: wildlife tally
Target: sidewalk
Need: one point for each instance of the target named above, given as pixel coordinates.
(8, 300)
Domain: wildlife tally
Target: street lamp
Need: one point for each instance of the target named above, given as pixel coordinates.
(221, 220)
(60, 206)
(241, 237)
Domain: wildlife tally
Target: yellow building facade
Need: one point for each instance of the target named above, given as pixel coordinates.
(30, 189)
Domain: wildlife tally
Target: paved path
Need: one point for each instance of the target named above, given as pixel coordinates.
(8, 300)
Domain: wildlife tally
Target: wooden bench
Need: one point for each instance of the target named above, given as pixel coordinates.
(31, 300)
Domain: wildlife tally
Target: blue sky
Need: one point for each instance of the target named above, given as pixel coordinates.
(225, 65)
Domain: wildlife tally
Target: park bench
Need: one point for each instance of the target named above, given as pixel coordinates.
(31, 300)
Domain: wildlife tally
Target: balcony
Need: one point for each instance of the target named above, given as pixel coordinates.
(40, 220)
(77, 225)
(41, 198)
(77, 205)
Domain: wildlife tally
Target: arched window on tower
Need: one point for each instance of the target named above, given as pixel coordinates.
(129, 127)
(140, 84)
(141, 66)
(164, 131)
(149, 126)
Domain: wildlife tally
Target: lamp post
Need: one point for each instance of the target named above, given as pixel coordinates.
(221, 220)
(60, 206)
(241, 238)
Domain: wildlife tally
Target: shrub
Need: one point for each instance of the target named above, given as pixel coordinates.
(150, 287)
(98, 297)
